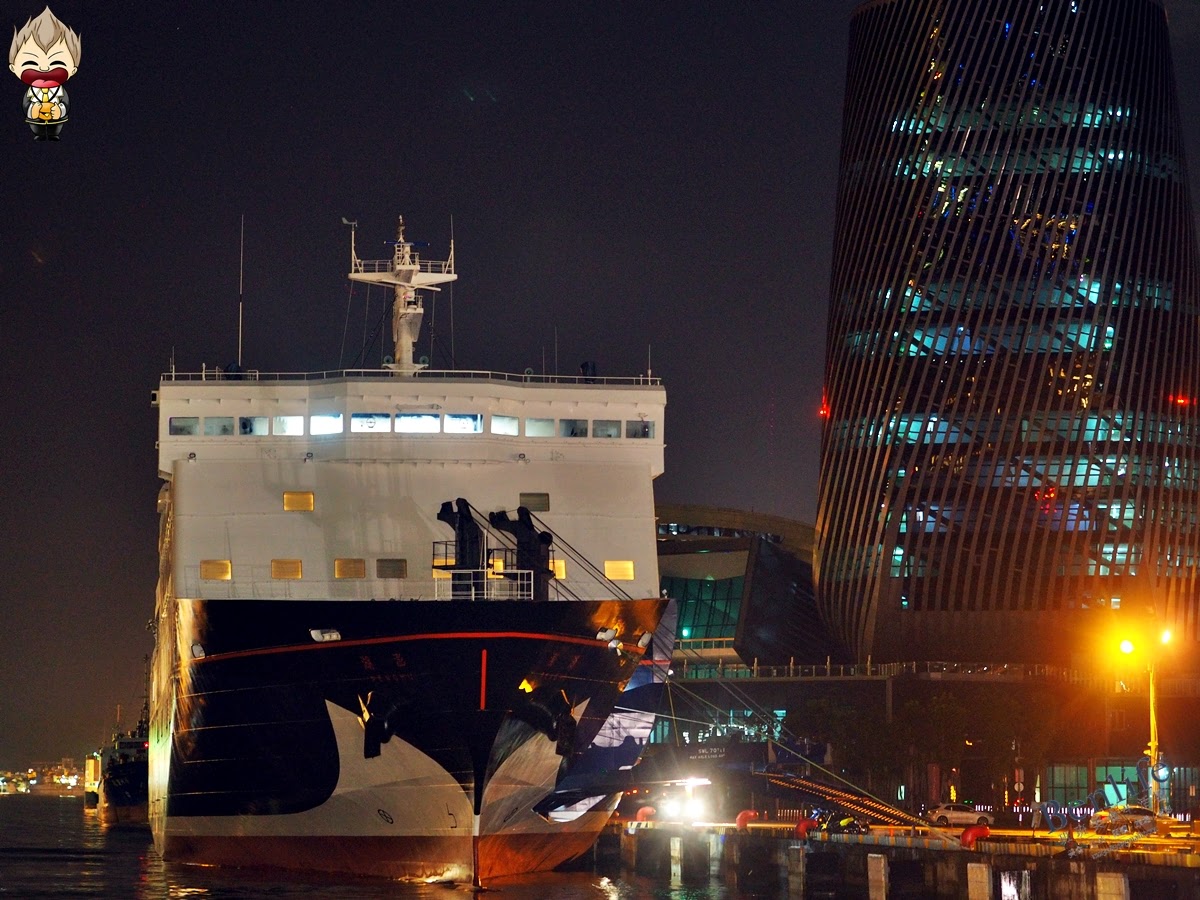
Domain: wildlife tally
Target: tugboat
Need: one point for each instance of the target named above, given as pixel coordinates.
(396, 607)
(122, 792)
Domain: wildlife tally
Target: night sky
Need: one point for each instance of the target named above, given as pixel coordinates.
(629, 184)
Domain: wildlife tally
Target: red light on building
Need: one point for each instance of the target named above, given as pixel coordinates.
(824, 411)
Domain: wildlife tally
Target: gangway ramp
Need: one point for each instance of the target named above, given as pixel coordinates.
(855, 803)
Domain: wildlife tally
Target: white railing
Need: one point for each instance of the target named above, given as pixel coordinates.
(485, 586)
(216, 373)
(432, 266)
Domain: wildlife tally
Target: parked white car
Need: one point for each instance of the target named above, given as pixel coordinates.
(958, 814)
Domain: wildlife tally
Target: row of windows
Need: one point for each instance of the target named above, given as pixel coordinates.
(921, 428)
(1063, 514)
(1062, 113)
(388, 568)
(677, 528)
(940, 598)
(956, 340)
(938, 295)
(405, 423)
(293, 569)
(306, 501)
(1082, 160)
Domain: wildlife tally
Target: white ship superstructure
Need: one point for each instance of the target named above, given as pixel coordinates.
(328, 487)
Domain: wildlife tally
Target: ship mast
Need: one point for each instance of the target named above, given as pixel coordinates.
(408, 274)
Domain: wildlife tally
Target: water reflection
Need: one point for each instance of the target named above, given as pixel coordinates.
(51, 847)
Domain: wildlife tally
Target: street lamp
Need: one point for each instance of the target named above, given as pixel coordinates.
(1127, 646)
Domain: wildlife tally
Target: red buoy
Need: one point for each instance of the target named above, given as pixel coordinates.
(972, 834)
(804, 826)
(744, 818)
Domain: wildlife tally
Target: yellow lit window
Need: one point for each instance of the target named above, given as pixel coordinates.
(349, 568)
(560, 568)
(216, 569)
(298, 501)
(287, 568)
(618, 569)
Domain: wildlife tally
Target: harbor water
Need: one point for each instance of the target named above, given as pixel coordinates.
(51, 847)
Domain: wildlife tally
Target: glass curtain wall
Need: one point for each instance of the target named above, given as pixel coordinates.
(1010, 442)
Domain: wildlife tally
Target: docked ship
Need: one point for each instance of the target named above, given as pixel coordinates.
(122, 791)
(397, 608)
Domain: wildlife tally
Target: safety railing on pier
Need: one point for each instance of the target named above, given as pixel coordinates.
(716, 669)
(703, 667)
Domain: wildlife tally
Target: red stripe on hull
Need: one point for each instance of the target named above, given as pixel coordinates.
(518, 854)
(410, 858)
(406, 638)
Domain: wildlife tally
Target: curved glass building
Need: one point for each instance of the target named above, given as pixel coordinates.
(1010, 448)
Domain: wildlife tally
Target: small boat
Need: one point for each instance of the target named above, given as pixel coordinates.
(122, 792)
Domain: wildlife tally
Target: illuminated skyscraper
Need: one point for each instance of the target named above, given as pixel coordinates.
(1010, 446)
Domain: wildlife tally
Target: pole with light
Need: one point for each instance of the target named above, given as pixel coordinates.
(1128, 647)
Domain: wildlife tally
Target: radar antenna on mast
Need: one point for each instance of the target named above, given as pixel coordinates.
(408, 274)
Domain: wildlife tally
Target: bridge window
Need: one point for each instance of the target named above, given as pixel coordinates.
(325, 423)
(539, 428)
(506, 425)
(183, 425)
(639, 428)
(253, 425)
(287, 425)
(370, 423)
(215, 426)
(572, 427)
(418, 423)
(464, 423)
(606, 428)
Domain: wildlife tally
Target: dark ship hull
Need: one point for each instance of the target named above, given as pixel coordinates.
(406, 739)
(123, 794)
